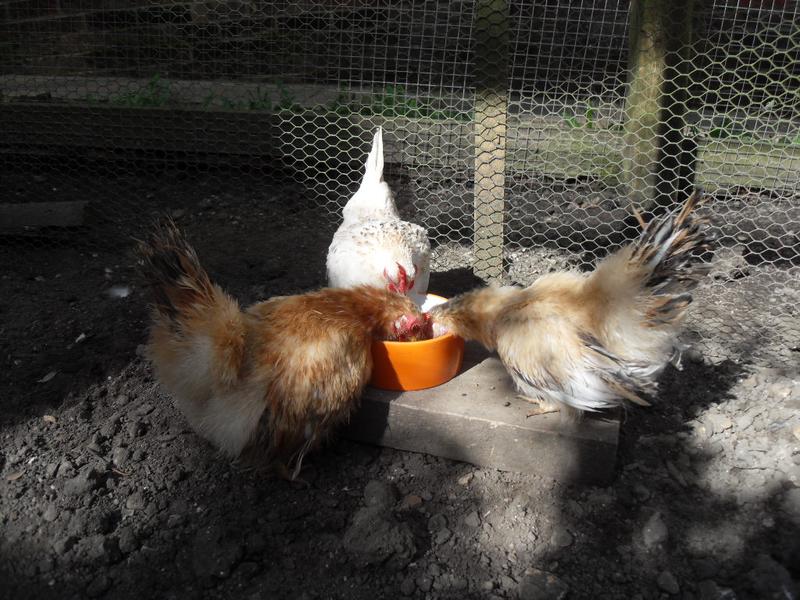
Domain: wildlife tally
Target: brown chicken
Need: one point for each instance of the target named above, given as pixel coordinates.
(580, 342)
(274, 378)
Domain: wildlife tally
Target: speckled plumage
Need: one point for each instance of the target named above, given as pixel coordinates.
(373, 242)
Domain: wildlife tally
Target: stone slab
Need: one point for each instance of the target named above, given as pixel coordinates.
(477, 418)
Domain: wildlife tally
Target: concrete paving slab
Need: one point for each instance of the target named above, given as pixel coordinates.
(477, 418)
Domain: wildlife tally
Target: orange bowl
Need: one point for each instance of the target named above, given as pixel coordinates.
(406, 366)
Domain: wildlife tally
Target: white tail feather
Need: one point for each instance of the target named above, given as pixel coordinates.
(373, 168)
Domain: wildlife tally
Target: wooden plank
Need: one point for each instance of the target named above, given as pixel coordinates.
(478, 418)
(35, 215)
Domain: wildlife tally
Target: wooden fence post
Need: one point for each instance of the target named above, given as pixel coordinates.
(655, 107)
(491, 109)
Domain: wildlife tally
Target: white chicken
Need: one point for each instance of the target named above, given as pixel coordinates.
(373, 246)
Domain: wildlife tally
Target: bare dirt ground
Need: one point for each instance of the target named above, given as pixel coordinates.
(105, 492)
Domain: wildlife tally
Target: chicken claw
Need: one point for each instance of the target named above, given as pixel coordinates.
(543, 406)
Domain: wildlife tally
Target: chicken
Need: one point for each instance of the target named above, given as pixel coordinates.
(373, 246)
(587, 342)
(275, 378)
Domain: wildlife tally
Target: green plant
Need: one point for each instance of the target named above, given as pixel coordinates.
(394, 102)
(723, 130)
(206, 103)
(155, 93)
(286, 101)
(570, 120)
(259, 99)
(589, 118)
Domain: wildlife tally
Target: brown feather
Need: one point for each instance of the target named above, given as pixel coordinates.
(272, 380)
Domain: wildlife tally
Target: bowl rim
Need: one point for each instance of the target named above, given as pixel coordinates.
(436, 340)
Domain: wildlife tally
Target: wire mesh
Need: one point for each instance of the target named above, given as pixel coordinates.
(518, 133)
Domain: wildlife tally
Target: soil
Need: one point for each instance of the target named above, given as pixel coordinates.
(106, 493)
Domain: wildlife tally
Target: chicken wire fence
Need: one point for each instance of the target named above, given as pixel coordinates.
(520, 134)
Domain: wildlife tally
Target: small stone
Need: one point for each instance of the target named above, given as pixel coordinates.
(655, 531)
(541, 585)
(50, 471)
(408, 586)
(109, 428)
(64, 544)
(442, 536)
(50, 513)
(561, 538)
(507, 583)
(135, 501)
(120, 456)
(487, 586)
(411, 501)
(135, 429)
(667, 582)
(465, 479)
(81, 484)
(472, 520)
(426, 495)
(380, 494)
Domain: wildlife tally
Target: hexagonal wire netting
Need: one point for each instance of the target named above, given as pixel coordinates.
(520, 134)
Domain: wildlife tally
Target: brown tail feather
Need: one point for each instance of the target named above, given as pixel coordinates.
(169, 265)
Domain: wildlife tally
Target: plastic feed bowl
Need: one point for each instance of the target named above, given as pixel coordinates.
(407, 366)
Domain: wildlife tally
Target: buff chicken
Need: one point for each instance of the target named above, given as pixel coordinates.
(585, 342)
